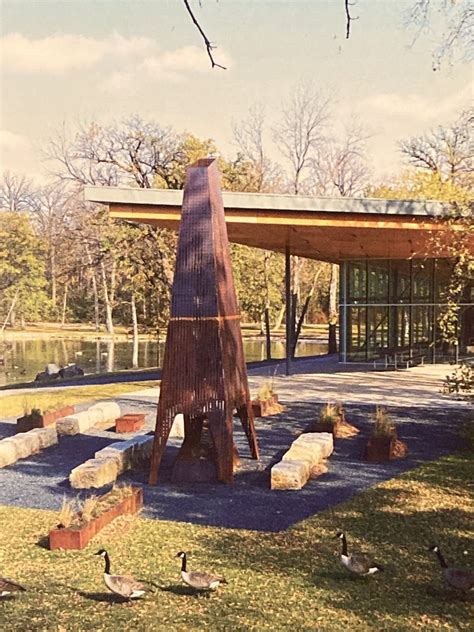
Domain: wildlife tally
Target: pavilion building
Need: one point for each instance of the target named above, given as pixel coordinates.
(395, 259)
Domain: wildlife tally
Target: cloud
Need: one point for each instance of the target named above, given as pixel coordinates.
(120, 60)
(10, 141)
(419, 107)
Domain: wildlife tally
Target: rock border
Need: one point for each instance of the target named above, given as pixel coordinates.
(304, 459)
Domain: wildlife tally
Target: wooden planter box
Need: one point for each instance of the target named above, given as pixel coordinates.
(79, 537)
(263, 407)
(380, 449)
(28, 422)
(130, 423)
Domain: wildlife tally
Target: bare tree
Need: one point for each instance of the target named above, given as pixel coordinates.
(457, 18)
(249, 134)
(16, 193)
(446, 151)
(132, 151)
(52, 207)
(302, 130)
(340, 167)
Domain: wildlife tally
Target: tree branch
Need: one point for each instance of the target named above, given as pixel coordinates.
(209, 46)
(349, 18)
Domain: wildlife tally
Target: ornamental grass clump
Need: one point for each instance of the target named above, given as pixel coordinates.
(89, 509)
(67, 514)
(265, 392)
(329, 414)
(383, 424)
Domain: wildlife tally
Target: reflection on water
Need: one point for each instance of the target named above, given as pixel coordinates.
(23, 359)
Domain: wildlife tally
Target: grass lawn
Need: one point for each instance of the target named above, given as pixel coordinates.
(277, 581)
(12, 405)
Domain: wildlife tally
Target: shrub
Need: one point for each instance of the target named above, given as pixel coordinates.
(461, 380)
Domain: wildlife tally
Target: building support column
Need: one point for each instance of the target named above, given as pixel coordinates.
(343, 324)
(289, 336)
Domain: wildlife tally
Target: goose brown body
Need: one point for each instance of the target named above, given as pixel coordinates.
(7, 587)
(458, 578)
(357, 563)
(123, 585)
(199, 580)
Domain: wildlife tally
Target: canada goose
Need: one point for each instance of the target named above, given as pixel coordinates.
(357, 562)
(7, 587)
(122, 585)
(459, 578)
(198, 580)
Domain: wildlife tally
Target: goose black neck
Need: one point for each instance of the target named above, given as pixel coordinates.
(107, 563)
(183, 563)
(441, 559)
(344, 545)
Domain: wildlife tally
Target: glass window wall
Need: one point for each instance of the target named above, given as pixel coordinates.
(395, 306)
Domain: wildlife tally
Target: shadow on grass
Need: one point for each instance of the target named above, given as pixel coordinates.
(394, 525)
(104, 597)
(179, 589)
(43, 542)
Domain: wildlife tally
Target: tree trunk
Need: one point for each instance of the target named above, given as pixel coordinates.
(10, 311)
(110, 355)
(268, 337)
(52, 265)
(109, 323)
(332, 339)
(135, 333)
(305, 310)
(268, 340)
(63, 314)
(95, 291)
(279, 318)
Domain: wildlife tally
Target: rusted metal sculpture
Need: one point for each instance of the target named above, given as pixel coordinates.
(204, 376)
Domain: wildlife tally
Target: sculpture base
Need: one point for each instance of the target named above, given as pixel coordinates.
(194, 470)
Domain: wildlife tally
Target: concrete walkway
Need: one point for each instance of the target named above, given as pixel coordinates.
(427, 420)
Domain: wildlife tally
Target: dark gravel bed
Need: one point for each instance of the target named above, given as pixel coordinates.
(42, 481)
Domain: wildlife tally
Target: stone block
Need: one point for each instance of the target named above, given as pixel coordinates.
(311, 452)
(25, 445)
(121, 451)
(177, 429)
(317, 470)
(94, 473)
(46, 436)
(8, 454)
(324, 439)
(105, 411)
(75, 424)
(289, 475)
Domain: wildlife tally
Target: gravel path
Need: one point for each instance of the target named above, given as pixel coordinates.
(41, 481)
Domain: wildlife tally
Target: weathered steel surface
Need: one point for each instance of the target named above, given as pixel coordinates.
(204, 374)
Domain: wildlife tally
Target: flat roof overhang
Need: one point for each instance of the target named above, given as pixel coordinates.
(327, 229)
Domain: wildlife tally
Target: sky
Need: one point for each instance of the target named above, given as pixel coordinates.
(71, 61)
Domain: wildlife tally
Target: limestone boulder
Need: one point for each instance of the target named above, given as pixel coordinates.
(47, 437)
(323, 439)
(75, 424)
(105, 411)
(311, 452)
(94, 473)
(289, 474)
(8, 453)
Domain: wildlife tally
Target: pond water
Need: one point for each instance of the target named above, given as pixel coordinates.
(23, 359)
